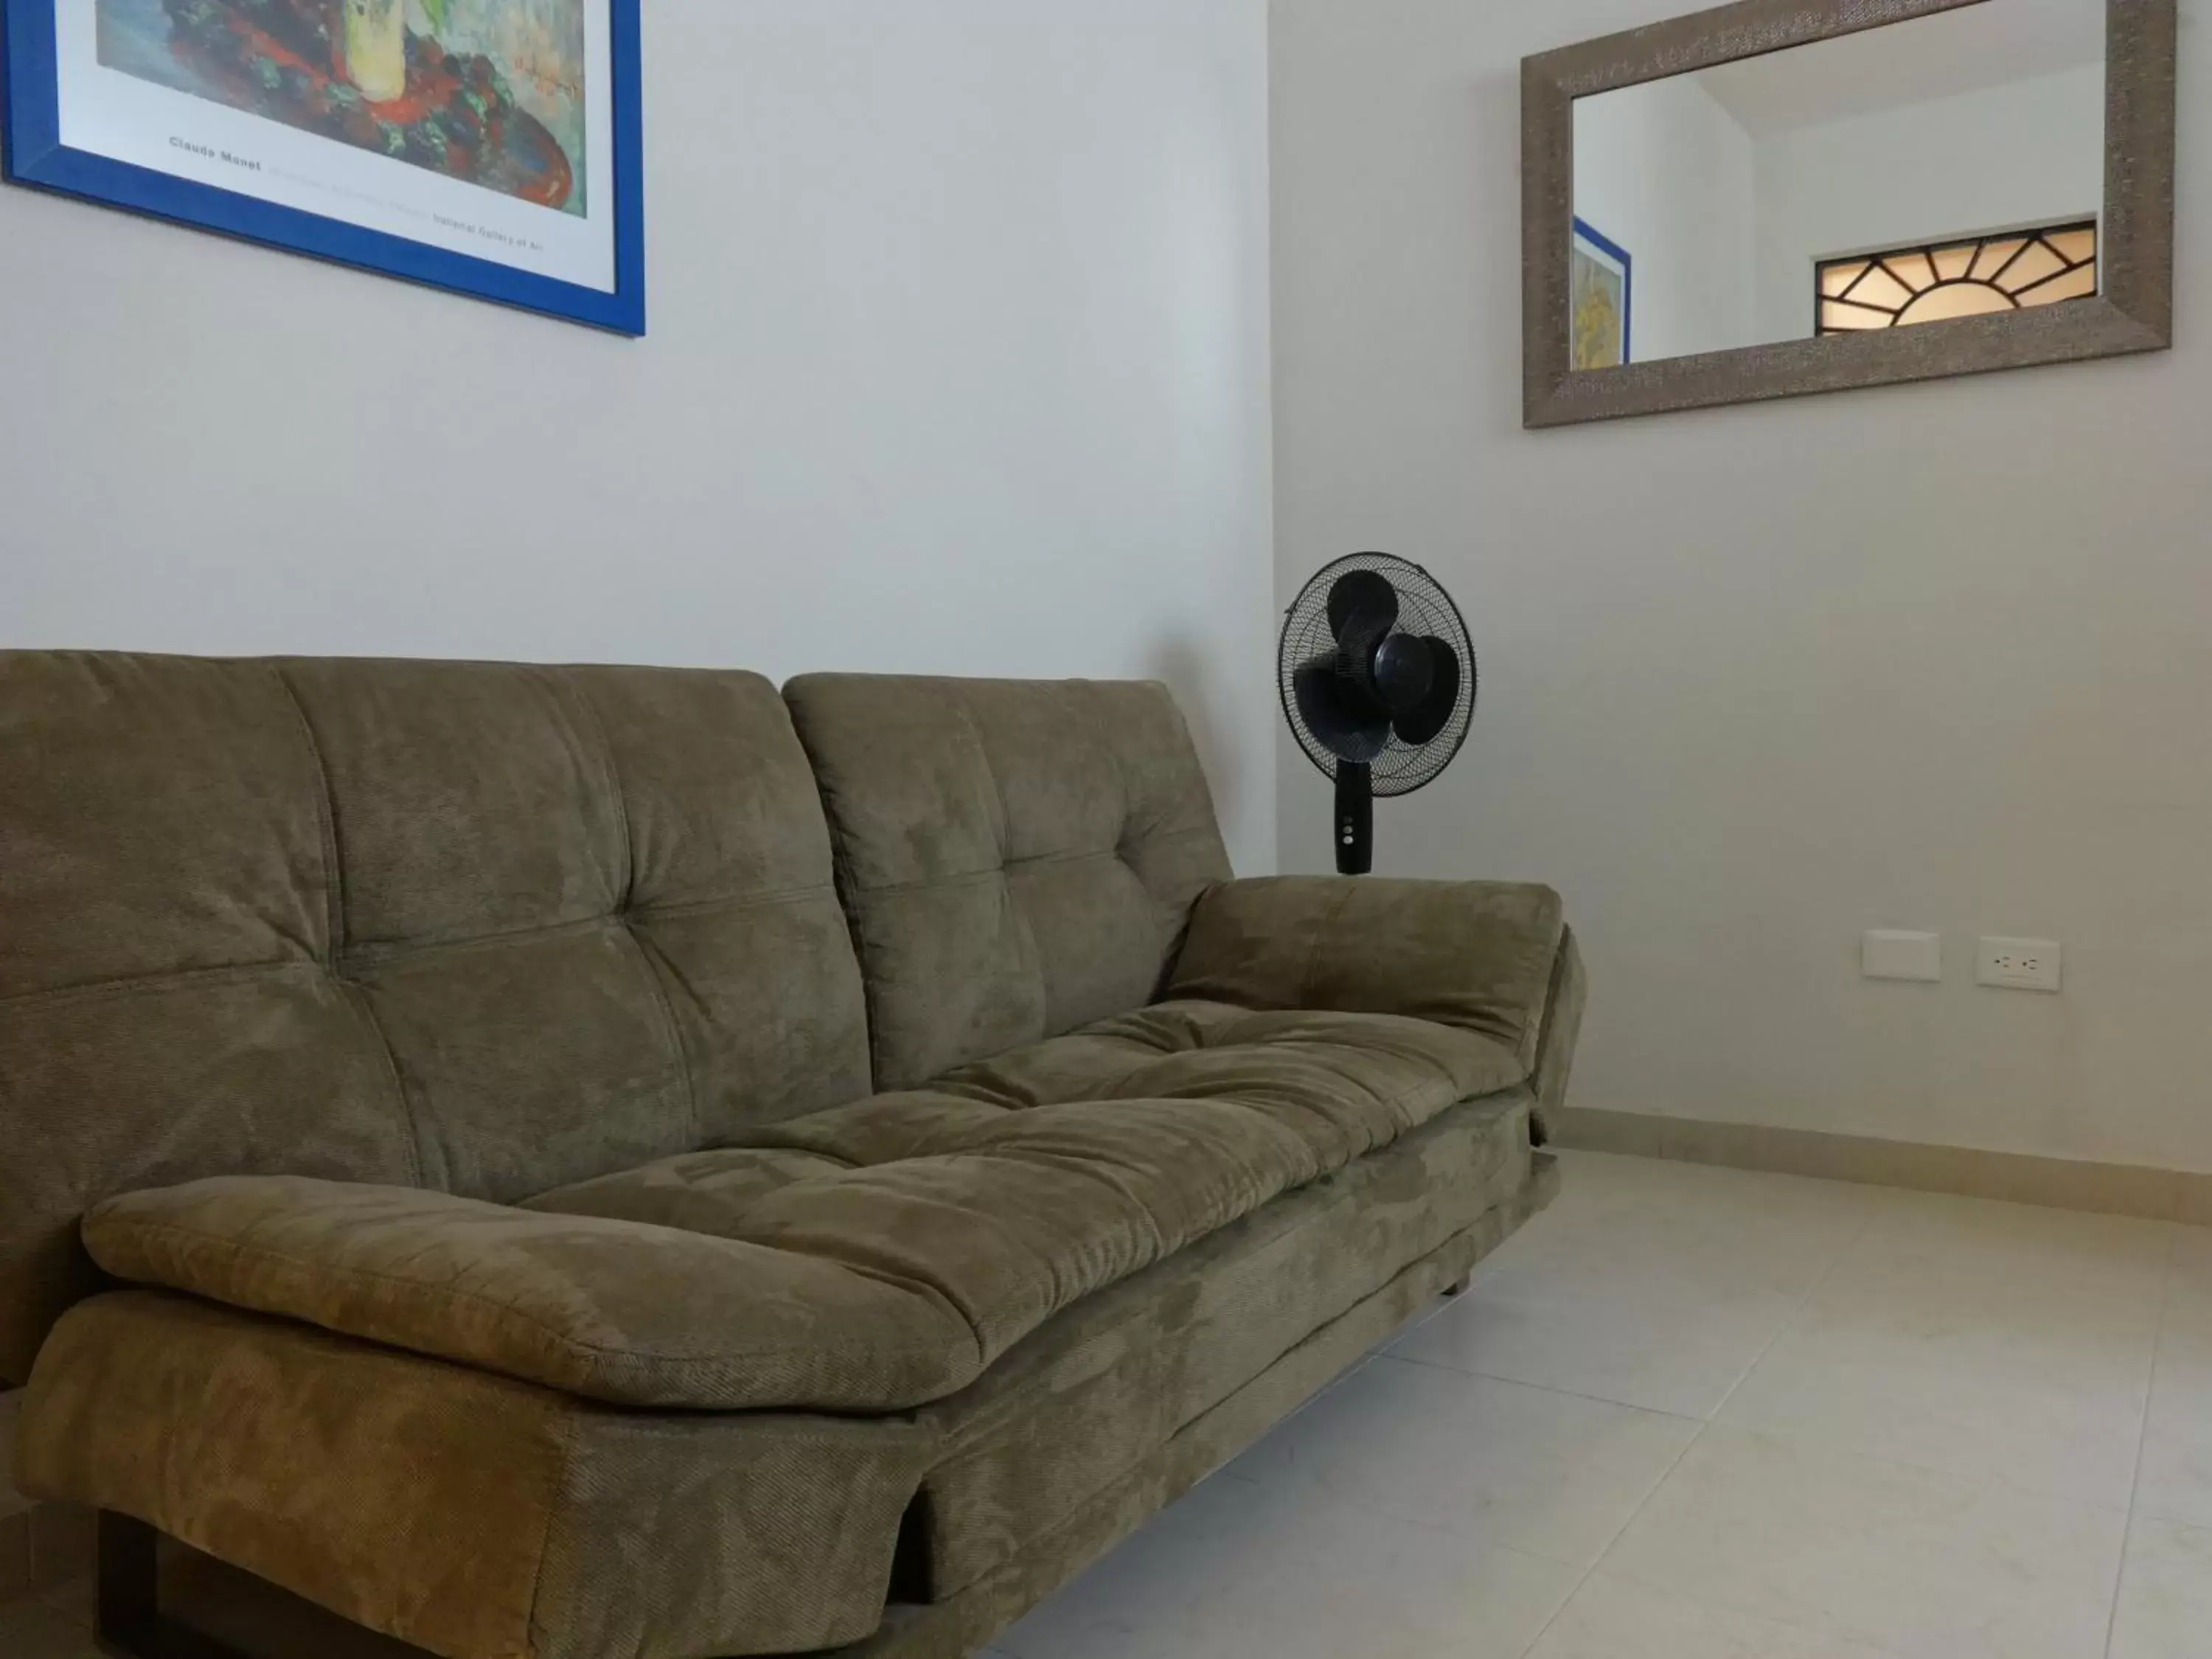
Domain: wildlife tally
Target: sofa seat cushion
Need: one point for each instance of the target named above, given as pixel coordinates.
(1091, 1396)
(870, 1258)
(1290, 1096)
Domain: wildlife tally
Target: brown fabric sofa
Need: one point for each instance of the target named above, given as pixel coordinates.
(562, 1163)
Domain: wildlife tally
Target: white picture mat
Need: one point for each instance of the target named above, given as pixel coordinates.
(117, 115)
(1600, 257)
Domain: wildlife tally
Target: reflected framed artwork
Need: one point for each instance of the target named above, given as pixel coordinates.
(492, 148)
(1604, 299)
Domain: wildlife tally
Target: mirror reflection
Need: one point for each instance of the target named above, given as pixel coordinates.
(1948, 166)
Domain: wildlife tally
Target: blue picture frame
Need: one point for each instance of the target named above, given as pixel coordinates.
(31, 153)
(1603, 249)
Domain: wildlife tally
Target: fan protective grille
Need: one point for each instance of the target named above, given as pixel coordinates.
(1424, 608)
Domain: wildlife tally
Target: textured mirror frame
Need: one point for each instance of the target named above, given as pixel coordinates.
(2133, 311)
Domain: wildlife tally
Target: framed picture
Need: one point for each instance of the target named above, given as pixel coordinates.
(1601, 301)
(489, 147)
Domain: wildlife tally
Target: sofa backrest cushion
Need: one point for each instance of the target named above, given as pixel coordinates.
(487, 929)
(1018, 858)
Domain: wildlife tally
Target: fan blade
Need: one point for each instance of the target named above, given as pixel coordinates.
(1362, 605)
(1404, 670)
(1432, 712)
(1342, 720)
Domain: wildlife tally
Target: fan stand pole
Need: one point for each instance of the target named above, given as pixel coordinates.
(1355, 818)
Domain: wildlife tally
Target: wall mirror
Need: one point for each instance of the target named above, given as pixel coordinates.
(1783, 196)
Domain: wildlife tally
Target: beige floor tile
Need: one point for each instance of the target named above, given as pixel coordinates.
(1972, 1243)
(15, 1578)
(72, 1597)
(1987, 1339)
(2178, 1445)
(31, 1630)
(1655, 1286)
(2191, 1269)
(2175, 1480)
(1576, 1332)
(1920, 1563)
(2027, 1399)
(1496, 1463)
(1610, 1618)
(1236, 1572)
(1686, 1230)
(63, 1540)
(2165, 1593)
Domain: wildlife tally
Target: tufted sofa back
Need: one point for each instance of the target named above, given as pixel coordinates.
(1018, 858)
(485, 928)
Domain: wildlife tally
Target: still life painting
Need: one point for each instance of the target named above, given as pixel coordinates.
(1601, 299)
(496, 140)
(490, 91)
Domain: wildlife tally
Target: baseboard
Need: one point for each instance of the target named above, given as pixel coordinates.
(2054, 1182)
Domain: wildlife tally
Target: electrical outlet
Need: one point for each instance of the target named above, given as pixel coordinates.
(2021, 964)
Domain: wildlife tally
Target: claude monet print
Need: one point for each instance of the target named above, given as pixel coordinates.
(489, 92)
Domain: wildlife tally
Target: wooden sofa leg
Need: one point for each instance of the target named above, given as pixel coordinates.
(127, 1620)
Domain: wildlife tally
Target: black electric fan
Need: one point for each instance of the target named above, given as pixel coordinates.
(1378, 680)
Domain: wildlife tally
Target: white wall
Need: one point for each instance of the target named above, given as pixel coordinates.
(2026, 153)
(1666, 173)
(959, 364)
(1757, 679)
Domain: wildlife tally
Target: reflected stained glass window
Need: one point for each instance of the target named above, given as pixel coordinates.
(1968, 278)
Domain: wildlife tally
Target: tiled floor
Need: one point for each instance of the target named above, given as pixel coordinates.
(1693, 1413)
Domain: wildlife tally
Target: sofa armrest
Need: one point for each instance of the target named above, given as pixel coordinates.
(1563, 1029)
(609, 1310)
(1479, 956)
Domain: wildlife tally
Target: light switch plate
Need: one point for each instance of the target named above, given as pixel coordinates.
(2022, 964)
(1886, 955)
